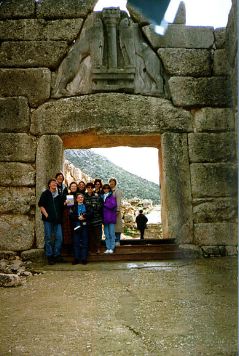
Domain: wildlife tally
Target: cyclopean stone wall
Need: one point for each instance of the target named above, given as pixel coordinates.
(73, 78)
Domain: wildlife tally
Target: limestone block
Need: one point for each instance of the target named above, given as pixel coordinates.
(213, 119)
(213, 179)
(214, 210)
(181, 36)
(14, 115)
(186, 62)
(220, 36)
(187, 91)
(8, 255)
(40, 30)
(190, 251)
(180, 17)
(109, 114)
(64, 8)
(220, 63)
(211, 147)
(35, 255)
(16, 174)
(17, 9)
(17, 200)
(32, 53)
(17, 147)
(231, 251)
(48, 146)
(175, 188)
(33, 83)
(212, 251)
(215, 234)
(17, 232)
(10, 280)
(231, 36)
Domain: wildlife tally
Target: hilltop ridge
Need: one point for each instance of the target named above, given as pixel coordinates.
(98, 166)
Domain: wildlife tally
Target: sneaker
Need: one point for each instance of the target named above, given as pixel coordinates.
(117, 243)
(111, 251)
(107, 251)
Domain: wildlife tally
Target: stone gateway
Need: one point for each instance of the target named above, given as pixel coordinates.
(74, 78)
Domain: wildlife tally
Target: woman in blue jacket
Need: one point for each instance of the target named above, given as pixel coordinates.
(79, 216)
(109, 218)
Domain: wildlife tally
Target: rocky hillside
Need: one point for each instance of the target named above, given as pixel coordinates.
(95, 165)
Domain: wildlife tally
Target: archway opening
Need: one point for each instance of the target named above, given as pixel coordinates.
(137, 173)
(78, 147)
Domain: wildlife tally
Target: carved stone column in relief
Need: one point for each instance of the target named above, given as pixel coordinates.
(111, 18)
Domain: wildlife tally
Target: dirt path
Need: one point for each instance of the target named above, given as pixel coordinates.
(159, 308)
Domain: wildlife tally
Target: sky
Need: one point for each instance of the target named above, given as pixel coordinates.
(144, 161)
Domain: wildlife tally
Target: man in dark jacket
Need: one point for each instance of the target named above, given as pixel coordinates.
(51, 205)
(141, 221)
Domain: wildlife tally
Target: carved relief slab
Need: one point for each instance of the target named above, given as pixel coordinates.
(109, 55)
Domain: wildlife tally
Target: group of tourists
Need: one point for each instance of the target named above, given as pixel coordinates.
(75, 216)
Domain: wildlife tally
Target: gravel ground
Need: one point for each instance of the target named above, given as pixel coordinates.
(152, 308)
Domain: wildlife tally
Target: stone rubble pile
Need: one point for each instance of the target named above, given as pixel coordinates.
(13, 270)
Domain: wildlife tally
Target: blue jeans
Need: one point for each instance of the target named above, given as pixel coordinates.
(109, 230)
(52, 248)
(80, 243)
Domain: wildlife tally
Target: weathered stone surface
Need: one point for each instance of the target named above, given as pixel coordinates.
(214, 210)
(10, 280)
(40, 30)
(220, 36)
(190, 251)
(212, 251)
(128, 64)
(180, 17)
(187, 91)
(8, 255)
(231, 36)
(16, 174)
(64, 8)
(17, 147)
(109, 114)
(213, 179)
(34, 255)
(215, 234)
(136, 15)
(16, 8)
(213, 119)
(181, 36)
(186, 62)
(48, 146)
(16, 232)
(231, 251)
(175, 188)
(14, 115)
(32, 54)
(33, 83)
(17, 200)
(211, 147)
(220, 63)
